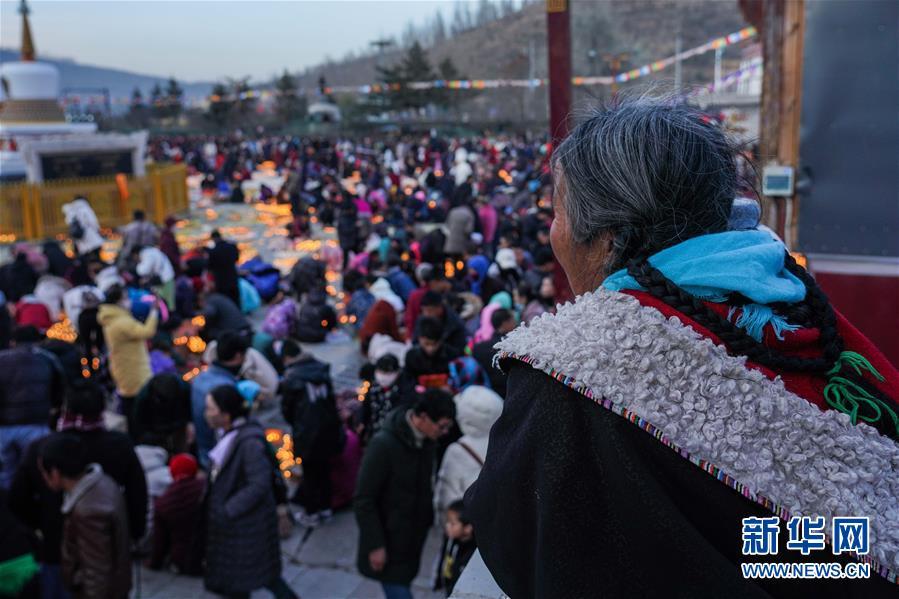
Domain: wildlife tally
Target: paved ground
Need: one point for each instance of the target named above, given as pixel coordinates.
(317, 563)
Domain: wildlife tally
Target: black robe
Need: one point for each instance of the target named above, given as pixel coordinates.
(576, 501)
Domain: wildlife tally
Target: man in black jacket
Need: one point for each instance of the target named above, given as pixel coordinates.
(222, 315)
(394, 496)
(502, 321)
(31, 389)
(223, 257)
(35, 505)
(427, 363)
(309, 406)
(454, 337)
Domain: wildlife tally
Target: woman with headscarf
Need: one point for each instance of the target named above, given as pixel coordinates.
(477, 272)
(700, 377)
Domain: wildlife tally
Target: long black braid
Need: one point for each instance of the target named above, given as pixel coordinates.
(815, 310)
(815, 307)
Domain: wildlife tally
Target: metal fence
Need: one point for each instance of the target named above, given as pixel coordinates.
(34, 210)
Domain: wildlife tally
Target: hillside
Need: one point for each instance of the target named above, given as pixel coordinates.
(515, 47)
(510, 47)
(119, 82)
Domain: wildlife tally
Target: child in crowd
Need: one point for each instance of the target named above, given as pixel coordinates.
(460, 547)
(177, 514)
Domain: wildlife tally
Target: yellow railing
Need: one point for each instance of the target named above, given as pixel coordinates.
(34, 210)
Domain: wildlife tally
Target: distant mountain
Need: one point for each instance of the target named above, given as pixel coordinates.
(119, 82)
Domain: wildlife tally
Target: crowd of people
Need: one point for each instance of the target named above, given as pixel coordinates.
(118, 445)
(454, 264)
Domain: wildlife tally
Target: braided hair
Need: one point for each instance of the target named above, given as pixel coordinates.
(815, 310)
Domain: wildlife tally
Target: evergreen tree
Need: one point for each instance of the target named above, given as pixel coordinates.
(417, 67)
(137, 99)
(220, 105)
(157, 106)
(174, 95)
(244, 100)
(138, 115)
(289, 106)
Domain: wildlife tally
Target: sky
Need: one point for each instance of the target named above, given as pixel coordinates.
(208, 40)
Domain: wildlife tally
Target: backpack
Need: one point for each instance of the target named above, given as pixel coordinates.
(316, 423)
(249, 297)
(280, 319)
(465, 371)
(264, 277)
(76, 231)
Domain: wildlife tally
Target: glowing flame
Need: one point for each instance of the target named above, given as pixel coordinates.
(63, 331)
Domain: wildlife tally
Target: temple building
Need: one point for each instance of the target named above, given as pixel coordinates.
(37, 143)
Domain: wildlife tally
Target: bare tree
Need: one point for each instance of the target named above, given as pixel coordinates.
(486, 13)
(410, 35)
(438, 28)
(459, 25)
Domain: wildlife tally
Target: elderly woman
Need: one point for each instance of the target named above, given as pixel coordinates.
(699, 378)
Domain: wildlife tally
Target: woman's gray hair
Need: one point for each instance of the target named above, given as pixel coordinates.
(650, 171)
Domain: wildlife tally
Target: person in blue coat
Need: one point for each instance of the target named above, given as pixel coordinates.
(232, 348)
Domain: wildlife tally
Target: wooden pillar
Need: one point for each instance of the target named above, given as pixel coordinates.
(791, 104)
(782, 33)
(558, 30)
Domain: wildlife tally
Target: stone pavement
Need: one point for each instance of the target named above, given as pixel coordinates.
(317, 564)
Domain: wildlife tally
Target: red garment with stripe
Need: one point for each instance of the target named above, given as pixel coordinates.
(803, 343)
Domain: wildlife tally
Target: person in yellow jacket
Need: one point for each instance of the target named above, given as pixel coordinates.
(126, 340)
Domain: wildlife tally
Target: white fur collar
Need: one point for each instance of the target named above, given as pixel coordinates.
(780, 450)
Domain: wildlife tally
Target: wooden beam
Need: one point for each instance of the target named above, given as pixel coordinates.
(558, 29)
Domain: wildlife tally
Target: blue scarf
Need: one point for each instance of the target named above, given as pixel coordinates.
(712, 266)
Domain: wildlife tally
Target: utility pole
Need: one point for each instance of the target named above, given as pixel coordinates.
(381, 44)
(615, 62)
(532, 74)
(678, 70)
(678, 46)
(719, 54)
(558, 29)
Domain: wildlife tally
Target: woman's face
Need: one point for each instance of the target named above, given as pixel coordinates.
(215, 418)
(584, 264)
(547, 288)
(560, 231)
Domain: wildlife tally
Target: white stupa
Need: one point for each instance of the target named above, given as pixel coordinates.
(31, 116)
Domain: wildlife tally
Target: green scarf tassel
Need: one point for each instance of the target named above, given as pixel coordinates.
(856, 362)
(848, 397)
